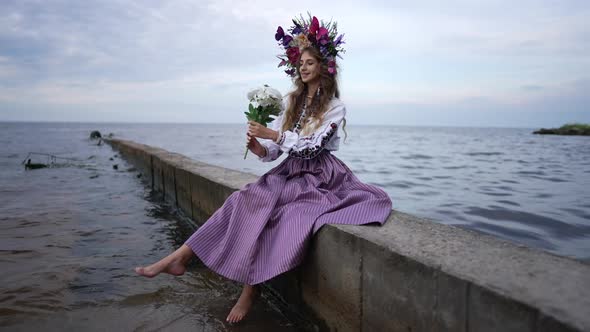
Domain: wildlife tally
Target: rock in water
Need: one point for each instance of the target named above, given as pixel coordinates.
(30, 165)
(95, 134)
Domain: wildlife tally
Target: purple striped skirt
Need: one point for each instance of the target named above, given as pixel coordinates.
(263, 229)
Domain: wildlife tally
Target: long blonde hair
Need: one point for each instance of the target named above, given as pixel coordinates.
(318, 105)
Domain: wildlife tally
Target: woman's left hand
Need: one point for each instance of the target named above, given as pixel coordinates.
(257, 130)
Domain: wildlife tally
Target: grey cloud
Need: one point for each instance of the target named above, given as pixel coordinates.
(121, 41)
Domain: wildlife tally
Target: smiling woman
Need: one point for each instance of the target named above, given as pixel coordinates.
(264, 229)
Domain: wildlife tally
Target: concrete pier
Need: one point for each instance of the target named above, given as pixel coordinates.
(411, 274)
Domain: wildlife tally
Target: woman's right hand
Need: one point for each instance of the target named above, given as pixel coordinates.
(255, 146)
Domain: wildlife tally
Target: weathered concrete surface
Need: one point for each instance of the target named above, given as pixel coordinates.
(333, 289)
(410, 274)
(551, 285)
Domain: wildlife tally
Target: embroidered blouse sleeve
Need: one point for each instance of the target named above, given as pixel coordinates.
(272, 149)
(310, 146)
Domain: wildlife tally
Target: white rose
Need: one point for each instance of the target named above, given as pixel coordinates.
(253, 94)
(266, 96)
(274, 93)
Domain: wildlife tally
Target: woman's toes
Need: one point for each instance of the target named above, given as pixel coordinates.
(148, 271)
(140, 270)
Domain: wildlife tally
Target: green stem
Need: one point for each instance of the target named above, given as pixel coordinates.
(245, 154)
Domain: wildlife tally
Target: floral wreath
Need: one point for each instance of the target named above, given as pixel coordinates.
(305, 33)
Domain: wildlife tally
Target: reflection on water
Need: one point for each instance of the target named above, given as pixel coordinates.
(69, 238)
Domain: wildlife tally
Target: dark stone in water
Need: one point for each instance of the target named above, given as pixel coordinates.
(115, 166)
(30, 165)
(95, 134)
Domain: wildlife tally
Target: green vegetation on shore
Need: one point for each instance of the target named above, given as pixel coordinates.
(575, 126)
(567, 129)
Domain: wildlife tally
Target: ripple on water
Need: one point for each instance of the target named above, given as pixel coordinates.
(502, 201)
(425, 193)
(424, 178)
(543, 195)
(400, 184)
(507, 231)
(411, 166)
(496, 194)
(578, 213)
(552, 179)
(442, 177)
(472, 154)
(557, 228)
(456, 167)
(530, 173)
(416, 156)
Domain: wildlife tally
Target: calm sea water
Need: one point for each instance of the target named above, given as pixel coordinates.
(531, 189)
(527, 188)
(70, 234)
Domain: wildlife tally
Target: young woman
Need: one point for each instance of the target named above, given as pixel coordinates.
(263, 229)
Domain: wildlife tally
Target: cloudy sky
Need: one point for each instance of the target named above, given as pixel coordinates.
(507, 63)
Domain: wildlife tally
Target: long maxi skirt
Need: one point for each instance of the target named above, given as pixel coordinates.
(263, 229)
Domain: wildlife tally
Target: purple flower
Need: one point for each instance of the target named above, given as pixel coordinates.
(280, 34)
(297, 29)
(338, 40)
(331, 66)
(286, 40)
(282, 63)
(290, 72)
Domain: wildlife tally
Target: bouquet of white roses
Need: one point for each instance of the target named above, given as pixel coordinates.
(267, 102)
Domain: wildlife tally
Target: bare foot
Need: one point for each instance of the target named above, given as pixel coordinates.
(241, 308)
(172, 264)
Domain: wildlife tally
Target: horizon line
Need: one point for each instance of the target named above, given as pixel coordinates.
(237, 123)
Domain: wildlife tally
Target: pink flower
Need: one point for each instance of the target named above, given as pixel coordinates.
(293, 54)
(315, 26)
(322, 32)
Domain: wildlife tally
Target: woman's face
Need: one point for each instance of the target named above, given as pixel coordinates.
(309, 68)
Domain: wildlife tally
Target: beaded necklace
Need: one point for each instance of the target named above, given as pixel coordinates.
(298, 125)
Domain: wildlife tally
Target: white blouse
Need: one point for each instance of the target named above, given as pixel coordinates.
(306, 146)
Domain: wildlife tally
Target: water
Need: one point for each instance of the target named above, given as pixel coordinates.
(70, 236)
(530, 189)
